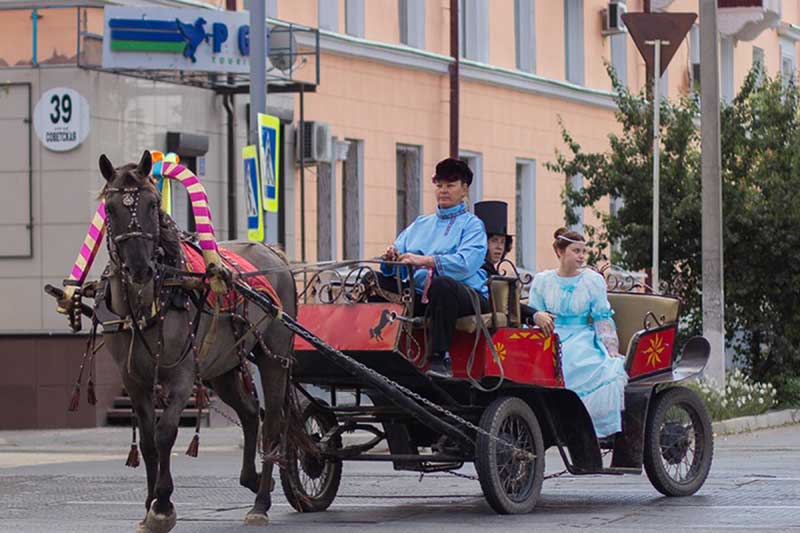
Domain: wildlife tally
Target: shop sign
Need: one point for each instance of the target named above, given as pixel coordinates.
(61, 119)
(154, 38)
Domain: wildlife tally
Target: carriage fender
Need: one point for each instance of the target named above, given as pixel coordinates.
(693, 360)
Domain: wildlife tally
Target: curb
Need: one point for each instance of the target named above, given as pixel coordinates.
(752, 423)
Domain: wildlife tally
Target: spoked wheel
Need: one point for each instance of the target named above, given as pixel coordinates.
(511, 480)
(310, 482)
(679, 444)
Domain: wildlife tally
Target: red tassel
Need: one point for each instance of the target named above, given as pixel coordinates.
(133, 456)
(191, 451)
(90, 395)
(76, 398)
(201, 397)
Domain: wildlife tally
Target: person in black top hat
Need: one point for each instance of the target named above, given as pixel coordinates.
(494, 215)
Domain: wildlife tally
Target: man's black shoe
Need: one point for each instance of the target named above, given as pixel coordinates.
(441, 366)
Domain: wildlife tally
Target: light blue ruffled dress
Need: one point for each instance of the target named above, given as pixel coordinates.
(583, 319)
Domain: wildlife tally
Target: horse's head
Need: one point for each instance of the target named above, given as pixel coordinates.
(132, 217)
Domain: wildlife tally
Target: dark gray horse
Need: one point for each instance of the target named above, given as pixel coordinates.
(142, 238)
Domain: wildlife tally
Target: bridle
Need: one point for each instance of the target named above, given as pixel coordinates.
(130, 199)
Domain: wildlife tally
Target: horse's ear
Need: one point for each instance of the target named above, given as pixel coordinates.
(106, 168)
(145, 164)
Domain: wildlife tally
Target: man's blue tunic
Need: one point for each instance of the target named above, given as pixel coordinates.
(455, 238)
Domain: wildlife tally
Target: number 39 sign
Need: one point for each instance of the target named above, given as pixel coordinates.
(61, 119)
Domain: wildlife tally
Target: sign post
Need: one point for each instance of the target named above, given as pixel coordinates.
(664, 32)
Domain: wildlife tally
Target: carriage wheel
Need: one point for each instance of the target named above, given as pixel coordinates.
(310, 483)
(510, 483)
(678, 443)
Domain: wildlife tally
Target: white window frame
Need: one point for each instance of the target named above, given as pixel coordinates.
(525, 214)
(525, 35)
(788, 56)
(475, 162)
(328, 15)
(412, 22)
(418, 151)
(574, 53)
(473, 27)
(726, 69)
(354, 18)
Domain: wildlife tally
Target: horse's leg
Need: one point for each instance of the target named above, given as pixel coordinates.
(231, 390)
(142, 401)
(273, 383)
(162, 516)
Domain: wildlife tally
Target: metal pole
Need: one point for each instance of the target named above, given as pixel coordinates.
(711, 248)
(656, 157)
(302, 176)
(454, 78)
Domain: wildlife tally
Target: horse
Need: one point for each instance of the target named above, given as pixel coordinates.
(143, 241)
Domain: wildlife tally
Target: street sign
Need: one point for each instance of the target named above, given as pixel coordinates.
(61, 119)
(270, 153)
(669, 27)
(252, 185)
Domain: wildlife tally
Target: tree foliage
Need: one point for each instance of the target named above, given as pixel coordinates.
(760, 148)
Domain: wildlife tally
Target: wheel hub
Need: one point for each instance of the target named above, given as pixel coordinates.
(674, 442)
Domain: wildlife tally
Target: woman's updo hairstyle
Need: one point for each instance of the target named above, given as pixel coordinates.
(563, 237)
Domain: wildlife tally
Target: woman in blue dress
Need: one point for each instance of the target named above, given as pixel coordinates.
(572, 301)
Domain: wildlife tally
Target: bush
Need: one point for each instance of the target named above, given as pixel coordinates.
(741, 397)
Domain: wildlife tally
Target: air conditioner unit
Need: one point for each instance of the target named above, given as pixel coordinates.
(316, 143)
(612, 18)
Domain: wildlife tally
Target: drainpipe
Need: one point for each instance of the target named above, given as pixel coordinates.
(454, 78)
(230, 105)
(228, 102)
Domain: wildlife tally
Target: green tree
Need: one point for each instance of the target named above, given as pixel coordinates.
(760, 144)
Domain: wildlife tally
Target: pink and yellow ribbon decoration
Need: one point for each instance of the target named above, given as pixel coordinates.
(166, 167)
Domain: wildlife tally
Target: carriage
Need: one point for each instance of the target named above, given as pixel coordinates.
(506, 404)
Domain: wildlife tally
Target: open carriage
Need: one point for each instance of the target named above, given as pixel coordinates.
(506, 404)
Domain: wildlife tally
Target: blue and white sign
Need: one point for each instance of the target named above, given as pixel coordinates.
(156, 38)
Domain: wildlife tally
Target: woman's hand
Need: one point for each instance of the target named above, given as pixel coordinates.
(416, 260)
(545, 322)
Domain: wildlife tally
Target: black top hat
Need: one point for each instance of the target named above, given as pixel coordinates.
(494, 215)
(453, 169)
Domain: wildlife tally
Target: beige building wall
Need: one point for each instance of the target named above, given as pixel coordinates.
(372, 89)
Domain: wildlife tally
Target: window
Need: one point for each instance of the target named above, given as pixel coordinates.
(328, 15)
(354, 17)
(473, 17)
(758, 63)
(788, 60)
(573, 40)
(525, 215)
(726, 69)
(409, 184)
(576, 182)
(525, 34)
(694, 56)
(353, 201)
(619, 56)
(475, 162)
(326, 211)
(412, 22)
(272, 9)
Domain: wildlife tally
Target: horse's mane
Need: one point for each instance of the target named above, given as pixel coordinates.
(170, 240)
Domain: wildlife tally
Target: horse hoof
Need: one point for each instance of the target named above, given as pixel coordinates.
(256, 519)
(158, 522)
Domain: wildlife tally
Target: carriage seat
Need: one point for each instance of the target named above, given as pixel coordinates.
(631, 311)
(504, 297)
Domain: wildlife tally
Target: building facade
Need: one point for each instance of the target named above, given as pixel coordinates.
(527, 67)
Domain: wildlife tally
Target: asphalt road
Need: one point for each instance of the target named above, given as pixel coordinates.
(76, 481)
